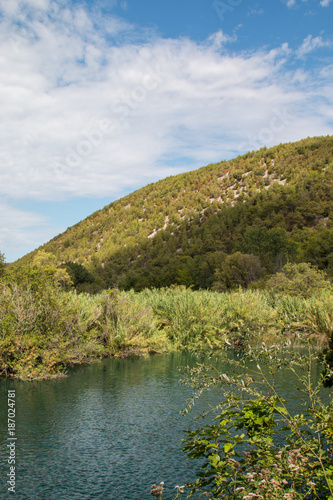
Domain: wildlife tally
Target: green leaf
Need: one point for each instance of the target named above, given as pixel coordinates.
(282, 410)
(227, 447)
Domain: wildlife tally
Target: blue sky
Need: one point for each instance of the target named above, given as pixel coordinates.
(99, 98)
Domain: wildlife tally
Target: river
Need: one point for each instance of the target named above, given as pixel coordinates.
(107, 431)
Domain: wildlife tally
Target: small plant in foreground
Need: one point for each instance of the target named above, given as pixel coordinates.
(256, 447)
(157, 491)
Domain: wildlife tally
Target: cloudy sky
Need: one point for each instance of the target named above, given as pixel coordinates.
(99, 98)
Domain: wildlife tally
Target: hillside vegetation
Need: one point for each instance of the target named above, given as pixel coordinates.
(228, 224)
(261, 221)
(237, 255)
(44, 330)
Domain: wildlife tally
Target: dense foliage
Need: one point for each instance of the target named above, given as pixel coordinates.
(46, 326)
(228, 224)
(262, 221)
(237, 254)
(258, 447)
(2, 264)
(255, 448)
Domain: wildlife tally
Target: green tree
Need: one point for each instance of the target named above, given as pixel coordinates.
(272, 246)
(299, 279)
(2, 264)
(238, 269)
(319, 250)
(42, 272)
(78, 273)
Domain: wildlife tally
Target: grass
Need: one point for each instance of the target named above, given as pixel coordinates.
(40, 335)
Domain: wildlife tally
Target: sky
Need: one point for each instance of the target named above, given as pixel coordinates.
(99, 98)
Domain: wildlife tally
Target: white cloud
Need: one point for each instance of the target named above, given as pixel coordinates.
(311, 43)
(292, 3)
(218, 39)
(255, 12)
(20, 229)
(91, 106)
(15, 7)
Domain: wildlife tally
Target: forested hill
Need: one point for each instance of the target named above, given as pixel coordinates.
(224, 225)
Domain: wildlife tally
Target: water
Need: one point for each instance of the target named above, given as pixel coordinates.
(108, 431)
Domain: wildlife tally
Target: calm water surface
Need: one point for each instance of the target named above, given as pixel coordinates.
(107, 431)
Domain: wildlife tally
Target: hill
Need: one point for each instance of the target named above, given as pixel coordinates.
(227, 224)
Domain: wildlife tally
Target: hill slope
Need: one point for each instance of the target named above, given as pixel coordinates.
(251, 214)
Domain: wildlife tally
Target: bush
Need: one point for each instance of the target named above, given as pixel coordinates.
(40, 330)
(255, 448)
(238, 269)
(2, 264)
(299, 279)
(78, 274)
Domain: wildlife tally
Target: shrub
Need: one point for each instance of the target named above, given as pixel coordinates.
(238, 269)
(299, 279)
(255, 447)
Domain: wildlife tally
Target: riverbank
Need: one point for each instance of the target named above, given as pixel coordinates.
(44, 332)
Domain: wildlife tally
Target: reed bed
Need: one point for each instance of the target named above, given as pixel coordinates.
(42, 334)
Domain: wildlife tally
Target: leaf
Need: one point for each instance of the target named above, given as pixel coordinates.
(215, 459)
(227, 447)
(282, 410)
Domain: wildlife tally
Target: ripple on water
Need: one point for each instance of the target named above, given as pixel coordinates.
(107, 431)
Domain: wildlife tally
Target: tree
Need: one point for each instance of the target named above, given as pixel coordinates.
(272, 246)
(238, 269)
(319, 250)
(41, 274)
(78, 273)
(298, 279)
(2, 264)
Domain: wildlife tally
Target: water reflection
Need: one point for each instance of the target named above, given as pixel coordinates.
(108, 431)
